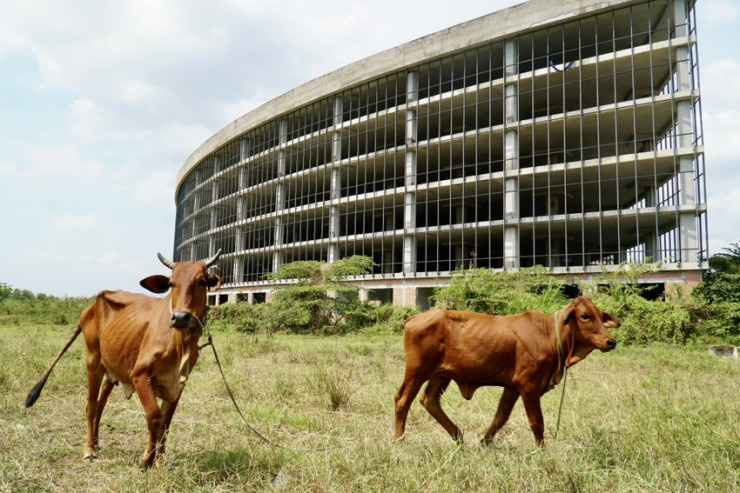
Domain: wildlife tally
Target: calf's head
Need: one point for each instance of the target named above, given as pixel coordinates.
(188, 285)
(589, 324)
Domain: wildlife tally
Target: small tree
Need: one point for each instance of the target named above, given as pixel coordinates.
(722, 282)
(5, 290)
(315, 295)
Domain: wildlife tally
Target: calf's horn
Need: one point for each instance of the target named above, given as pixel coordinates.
(167, 262)
(213, 259)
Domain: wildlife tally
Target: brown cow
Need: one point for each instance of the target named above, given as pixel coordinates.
(148, 344)
(520, 353)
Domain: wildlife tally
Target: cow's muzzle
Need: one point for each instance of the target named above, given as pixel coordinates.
(181, 320)
(610, 344)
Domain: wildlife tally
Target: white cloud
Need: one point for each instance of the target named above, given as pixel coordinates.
(158, 188)
(86, 118)
(64, 160)
(721, 132)
(7, 168)
(721, 11)
(108, 257)
(75, 222)
(720, 83)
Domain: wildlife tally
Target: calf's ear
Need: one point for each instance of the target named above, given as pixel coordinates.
(214, 281)
(156, 284)
(568, 310)
(609, 321)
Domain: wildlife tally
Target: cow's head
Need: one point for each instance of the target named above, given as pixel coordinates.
(589, 324)
(189, 284)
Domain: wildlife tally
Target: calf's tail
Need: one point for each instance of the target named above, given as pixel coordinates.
(35, 392)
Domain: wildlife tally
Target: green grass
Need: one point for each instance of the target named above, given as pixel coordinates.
(637, 419)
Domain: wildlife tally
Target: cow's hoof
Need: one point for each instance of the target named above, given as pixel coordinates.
(400, 439)
(90, 455)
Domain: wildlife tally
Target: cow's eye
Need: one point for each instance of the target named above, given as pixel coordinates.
(584, 317)
(203, 282)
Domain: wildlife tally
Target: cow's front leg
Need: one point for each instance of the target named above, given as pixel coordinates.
(532, 406)
(154, 419)
(505, 406)
(430, 400)
(168, 410)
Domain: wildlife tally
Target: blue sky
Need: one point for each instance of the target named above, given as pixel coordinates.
(101, 102)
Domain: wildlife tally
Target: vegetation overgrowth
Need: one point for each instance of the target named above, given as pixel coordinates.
(317, 374)
(674, 318)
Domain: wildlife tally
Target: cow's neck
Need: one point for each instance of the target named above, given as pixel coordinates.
(574, 351)
(562, 337)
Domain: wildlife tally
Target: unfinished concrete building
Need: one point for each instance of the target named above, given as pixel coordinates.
(564, 134)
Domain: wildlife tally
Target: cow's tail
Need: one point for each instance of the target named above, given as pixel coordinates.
(35, 392)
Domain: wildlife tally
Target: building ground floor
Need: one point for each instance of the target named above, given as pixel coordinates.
(419, 290)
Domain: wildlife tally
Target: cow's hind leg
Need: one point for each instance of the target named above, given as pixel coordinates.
(404, 397)
(95, 375)
(505, 406)
(105, 391)
(430, 400)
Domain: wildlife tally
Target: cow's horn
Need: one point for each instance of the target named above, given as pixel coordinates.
(213, 259)
(167, 262)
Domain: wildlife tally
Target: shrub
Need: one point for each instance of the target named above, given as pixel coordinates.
(389, 319)
(503, 293)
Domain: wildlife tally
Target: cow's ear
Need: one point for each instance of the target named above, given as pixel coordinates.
(156, 284)
(568, 310)
(214, 281)
(609, 321)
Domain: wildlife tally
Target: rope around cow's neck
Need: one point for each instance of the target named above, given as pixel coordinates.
(565, 373)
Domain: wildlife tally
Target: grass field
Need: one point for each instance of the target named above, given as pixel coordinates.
(636, 419)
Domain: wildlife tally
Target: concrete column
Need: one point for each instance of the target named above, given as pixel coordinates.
(336, 180)
(214, 192)
(243, 149)
(409, 209)
(652, 242)
(238, 269)
(277, 254)
(684, 129)
(511, 160)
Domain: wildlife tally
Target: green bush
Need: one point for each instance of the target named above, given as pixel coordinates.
(502, 293)
(389, 319)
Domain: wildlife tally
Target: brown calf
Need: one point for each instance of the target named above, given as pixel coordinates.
(147, 344)
(520, 353)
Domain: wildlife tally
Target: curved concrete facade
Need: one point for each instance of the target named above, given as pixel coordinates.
(566, 134)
